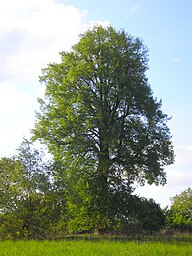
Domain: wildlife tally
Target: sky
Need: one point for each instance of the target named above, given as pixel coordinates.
(33, 32)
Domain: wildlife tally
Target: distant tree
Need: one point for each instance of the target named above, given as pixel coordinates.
(100, 119)
(28, 201)
(179, 216)
(11, 173)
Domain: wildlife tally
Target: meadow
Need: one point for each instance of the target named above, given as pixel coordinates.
(95, 248)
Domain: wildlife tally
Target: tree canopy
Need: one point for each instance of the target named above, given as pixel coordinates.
(101, 121)
(179, 216)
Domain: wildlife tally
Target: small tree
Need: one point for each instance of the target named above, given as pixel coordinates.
(28, 202)
(180, 214)
(11, 173)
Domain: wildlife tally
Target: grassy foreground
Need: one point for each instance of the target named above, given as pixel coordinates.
(93, 248)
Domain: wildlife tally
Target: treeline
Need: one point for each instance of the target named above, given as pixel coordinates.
(34, 203)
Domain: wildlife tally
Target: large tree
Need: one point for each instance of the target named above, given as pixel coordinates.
(100, 119)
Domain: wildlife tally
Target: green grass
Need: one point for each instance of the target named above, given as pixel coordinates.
(93, 248)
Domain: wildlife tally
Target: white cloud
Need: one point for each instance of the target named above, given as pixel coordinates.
(12, 101)
(16, 113)
(32, 33)
(183, 159)
(178, 178)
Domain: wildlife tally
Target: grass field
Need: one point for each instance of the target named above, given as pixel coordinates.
(94, 248)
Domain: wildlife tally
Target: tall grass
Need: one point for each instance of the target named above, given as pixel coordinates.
(96, 248)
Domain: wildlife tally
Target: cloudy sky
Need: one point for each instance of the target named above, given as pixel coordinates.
(33, 32)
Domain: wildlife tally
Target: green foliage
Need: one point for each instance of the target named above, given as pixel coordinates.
(150, 215)
(28, 202)
(11, 172)
(142, 216)
(179, 216)
(100, 120)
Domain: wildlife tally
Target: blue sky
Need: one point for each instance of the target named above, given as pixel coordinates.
(33, 32)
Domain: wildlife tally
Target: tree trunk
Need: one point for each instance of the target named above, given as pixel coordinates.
(102, 177)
